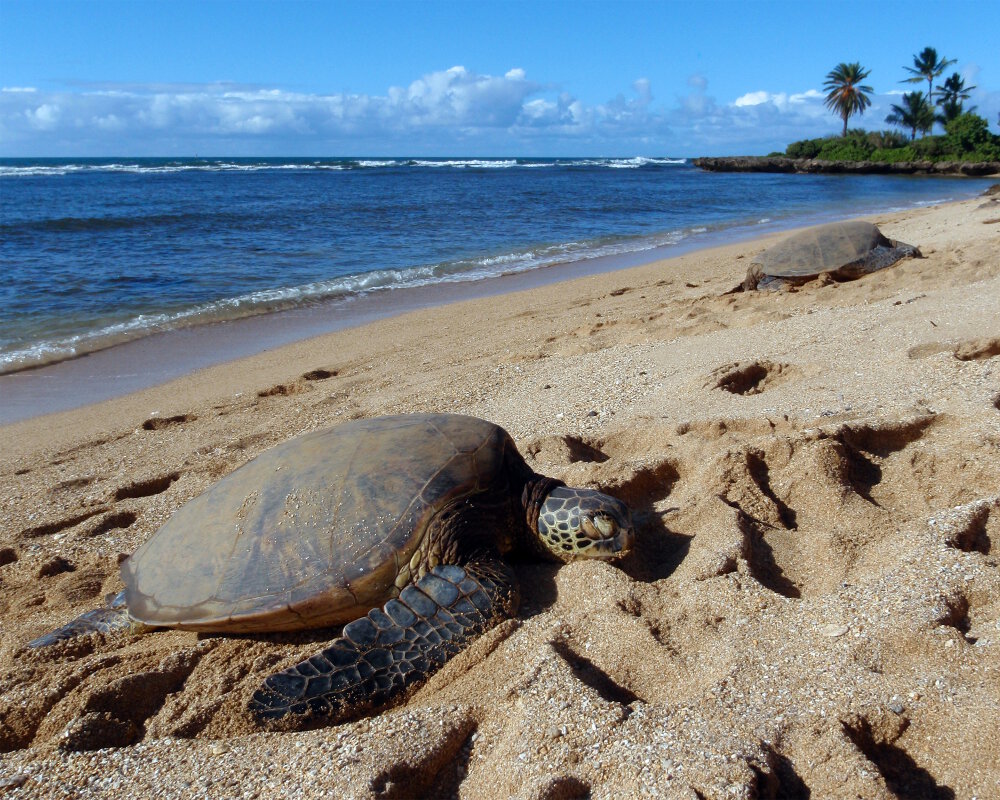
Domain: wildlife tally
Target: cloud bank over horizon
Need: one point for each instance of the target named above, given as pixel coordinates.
(447, 112)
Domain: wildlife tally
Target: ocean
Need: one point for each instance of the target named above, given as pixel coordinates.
(97, 252)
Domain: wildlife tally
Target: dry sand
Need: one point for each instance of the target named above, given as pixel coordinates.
(812, 608)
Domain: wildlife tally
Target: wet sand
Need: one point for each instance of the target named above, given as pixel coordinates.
(159, 357)
(811, 608)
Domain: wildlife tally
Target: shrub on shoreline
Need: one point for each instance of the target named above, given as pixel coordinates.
(967, 139)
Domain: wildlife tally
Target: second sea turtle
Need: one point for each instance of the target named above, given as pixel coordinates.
(845, 250)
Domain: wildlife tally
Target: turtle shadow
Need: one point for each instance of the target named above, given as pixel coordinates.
(658, 551)
(537, 581)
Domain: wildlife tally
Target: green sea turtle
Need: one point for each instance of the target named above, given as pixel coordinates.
(845, 250)
(395, 525)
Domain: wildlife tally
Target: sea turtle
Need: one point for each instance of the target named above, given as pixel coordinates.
(395, 525)
(845, 250)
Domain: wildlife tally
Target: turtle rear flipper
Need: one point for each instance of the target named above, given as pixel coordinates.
(111, 617)
(382, 654)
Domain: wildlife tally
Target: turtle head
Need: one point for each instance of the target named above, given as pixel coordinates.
(584, 523)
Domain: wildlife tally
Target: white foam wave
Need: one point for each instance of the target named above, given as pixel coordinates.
(638, 161)
(465, 163)
(68, 169)
(35, 170)
(347, 287)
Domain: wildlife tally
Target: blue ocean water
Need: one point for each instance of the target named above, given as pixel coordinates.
(97, 251)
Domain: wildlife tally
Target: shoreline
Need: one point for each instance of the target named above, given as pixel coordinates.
(159, 357)
(813, 597)
(815, 166)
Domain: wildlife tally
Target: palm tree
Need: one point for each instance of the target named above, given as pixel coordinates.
(915, 113)
(953, 93)
(927, 66)
(845, 96)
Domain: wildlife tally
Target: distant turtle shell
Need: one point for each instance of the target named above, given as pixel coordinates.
(314, 531)
(847, 249)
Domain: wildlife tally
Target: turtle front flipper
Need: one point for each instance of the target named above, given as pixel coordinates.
(382, 654)
(111, 617)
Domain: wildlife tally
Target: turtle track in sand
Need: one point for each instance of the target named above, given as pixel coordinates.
(969, 350)
(112, 518)
(159, 423)
(146, 487)
(749, 378)
(904, 777)
(300, 386)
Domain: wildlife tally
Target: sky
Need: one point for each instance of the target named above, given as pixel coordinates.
(472, 78)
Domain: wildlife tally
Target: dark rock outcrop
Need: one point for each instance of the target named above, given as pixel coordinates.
(815, 166)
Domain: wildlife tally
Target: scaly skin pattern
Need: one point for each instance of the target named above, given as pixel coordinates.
(565, 528)
(106, 619)
(380, 655)
(462, 589)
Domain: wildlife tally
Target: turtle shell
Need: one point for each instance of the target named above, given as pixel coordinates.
(844, 249)
(314, 531)
(821, 249)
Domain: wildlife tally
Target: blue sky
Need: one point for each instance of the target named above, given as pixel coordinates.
(460, 78)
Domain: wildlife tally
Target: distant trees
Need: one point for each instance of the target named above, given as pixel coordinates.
(970, 133)
(845, 94)
(926, 67)
(953, 94)
(967, 137)
(915, 113)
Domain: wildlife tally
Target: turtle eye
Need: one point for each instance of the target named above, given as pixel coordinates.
(599, 527)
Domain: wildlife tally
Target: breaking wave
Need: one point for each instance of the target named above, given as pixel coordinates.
(100, 336)
(10, 168)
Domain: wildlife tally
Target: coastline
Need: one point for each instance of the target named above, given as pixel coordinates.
(177, 262)
(815, 166)
(815, 583)
(159, 357)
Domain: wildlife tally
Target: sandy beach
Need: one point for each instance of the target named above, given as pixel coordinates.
(812, 608)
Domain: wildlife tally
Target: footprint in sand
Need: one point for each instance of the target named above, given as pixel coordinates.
(159, 423)
(751, 378)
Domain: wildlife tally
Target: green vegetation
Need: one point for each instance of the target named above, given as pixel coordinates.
(916, 113)
(967, 137)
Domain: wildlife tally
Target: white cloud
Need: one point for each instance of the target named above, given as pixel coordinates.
(781, 100)
(16, 89)
(753, 99)
(443, 112)
(44, 117)
(809, 94)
